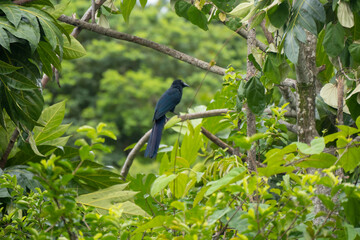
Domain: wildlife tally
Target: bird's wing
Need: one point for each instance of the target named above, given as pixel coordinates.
(167, 102)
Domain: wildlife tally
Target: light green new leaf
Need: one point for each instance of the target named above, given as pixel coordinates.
(51, 119)
(322, 160)
(234, 175)
(126, 7)
(73, 49)
(107, 198)
(160, 183)
(317, 145)
(350, 159)
(157, 221)
(33, 146)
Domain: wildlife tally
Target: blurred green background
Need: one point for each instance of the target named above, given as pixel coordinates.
(119, 83)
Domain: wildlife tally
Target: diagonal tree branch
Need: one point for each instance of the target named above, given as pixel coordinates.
(144, 42)
(130, 158)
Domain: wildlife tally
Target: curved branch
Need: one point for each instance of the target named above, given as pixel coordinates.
(144, 42)
(130, 158)
(217, 141)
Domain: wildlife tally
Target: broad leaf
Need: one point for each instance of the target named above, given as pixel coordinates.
(255, 95)
(334, 41)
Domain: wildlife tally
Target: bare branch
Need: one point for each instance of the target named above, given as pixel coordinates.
(21, 2)
(268, 35)
(144, 42)
(259, 44)
(340, 100)
(289, 126)
(10, 146)
(130, 158)
(289, 96)
(87, 16)
(217, 141)
(288, 82)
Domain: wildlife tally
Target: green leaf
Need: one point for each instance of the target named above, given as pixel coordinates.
(351, 209)
(291, 47)
(104, 199)
(20, 82)
(157, 221)
(327, 201)
(323, 59)
(94, 176)
(160, 183)
(51, 119)
(4, 39)
(313, 7)
(191, 13)
(279, 14)
(33, 145)
(317, 145)
(274, 170)
(179, 185)
(307, 22)
(143, 3)
(350, 159)
(191, 144)
(275, 68)
(6, 68)
(334, 41)
(172, 121)
(242, 10)
(354, 50)
(233, 176)
(74, 49)
(255, 95)
(126, 7)
(12, 12)
(322, 160)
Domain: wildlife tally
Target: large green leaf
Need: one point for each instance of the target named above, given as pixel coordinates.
(161, 182)
(191, 13)
(6, 68)
(291, 47)
(334, 41)
(126, 7)
(13, 14)
(73, 49)
(350, 159)
(234, 175)
(255, 95)
(276, 68)
(317, 145)
(322, 160)
(278, 15)
(112, 197)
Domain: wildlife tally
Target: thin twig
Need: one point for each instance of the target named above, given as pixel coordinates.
(21, 2)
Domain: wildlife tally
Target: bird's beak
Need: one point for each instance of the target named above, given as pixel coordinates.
(185, 85)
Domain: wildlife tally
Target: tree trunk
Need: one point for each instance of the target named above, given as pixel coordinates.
(306, 89)
(251, 120)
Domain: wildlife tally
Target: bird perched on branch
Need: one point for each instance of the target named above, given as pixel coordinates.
(166, 103)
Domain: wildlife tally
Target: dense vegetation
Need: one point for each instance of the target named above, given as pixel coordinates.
(269, 150)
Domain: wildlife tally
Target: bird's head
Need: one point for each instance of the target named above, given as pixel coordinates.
(179, 83)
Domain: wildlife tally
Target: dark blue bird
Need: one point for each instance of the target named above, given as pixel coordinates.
(166, 103)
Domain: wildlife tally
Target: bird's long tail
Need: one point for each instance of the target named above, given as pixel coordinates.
(155, 137)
